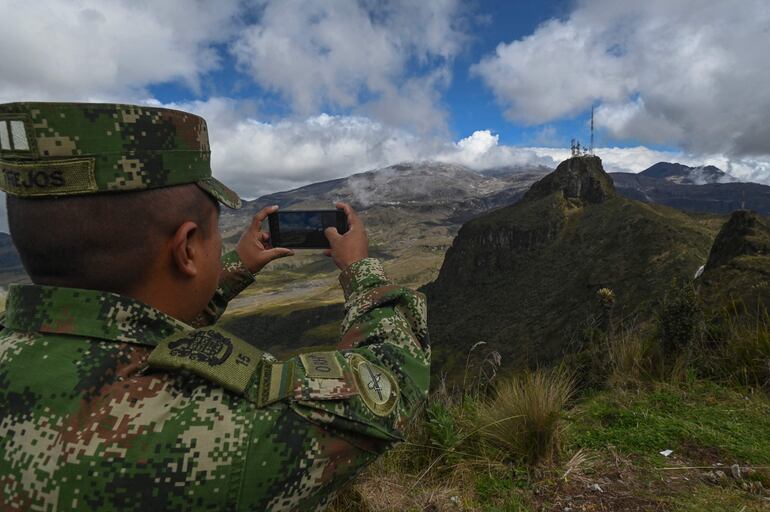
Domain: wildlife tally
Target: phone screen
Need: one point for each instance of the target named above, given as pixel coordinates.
(304, 228)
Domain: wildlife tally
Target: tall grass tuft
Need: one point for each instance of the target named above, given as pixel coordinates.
(524, 419)
(630, 358)
(739, 348)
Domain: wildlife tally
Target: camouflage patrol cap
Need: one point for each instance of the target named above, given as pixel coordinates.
(62, 149)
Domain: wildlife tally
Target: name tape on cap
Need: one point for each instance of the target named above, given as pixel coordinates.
(48, 178)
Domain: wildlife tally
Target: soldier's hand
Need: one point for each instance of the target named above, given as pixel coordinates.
(352, 246)
(253, 247)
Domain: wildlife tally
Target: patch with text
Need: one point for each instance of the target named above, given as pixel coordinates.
(321, 365)
(48, 178)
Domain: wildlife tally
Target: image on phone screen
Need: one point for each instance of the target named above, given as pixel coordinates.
(304, 229)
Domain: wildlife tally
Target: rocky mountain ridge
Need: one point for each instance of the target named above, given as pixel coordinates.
(687, 175)
(720, 198)
(409, 183)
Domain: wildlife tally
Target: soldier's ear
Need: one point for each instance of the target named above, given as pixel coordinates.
(185, 252)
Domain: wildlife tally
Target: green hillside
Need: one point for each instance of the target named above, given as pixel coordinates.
(525, 278)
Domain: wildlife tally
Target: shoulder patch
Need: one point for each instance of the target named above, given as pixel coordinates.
(225, 359)
(376, 386)
(210, 353)
(321, 365)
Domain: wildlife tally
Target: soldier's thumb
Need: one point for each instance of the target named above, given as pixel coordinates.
(332, 235)
(278, 252)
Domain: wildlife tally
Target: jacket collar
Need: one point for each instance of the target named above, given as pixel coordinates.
(89, 313)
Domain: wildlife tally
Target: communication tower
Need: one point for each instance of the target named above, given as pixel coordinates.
(579, 150)
(591, 148)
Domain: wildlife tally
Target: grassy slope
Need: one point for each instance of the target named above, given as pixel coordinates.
(613, 441)
(705, 424)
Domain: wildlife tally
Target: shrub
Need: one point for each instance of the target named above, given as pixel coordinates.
(680, 318)
(524, 420)
(443, 430)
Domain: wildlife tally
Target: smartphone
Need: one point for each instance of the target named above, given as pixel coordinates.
(304, 229)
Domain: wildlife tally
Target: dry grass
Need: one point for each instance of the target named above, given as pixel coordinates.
(629, 358)
(740, 349)
(524, 420)
(382, 489)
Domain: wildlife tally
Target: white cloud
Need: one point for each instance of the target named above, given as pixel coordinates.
(356, 56)
(256, 157)
(482, 150)
(557, 71)
(107, 49)
(686, 72)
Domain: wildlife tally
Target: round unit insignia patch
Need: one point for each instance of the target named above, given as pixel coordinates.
(376, 386)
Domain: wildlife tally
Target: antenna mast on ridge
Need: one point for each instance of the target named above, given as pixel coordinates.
(591, 148)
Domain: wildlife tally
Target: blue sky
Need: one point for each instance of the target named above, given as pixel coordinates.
(470, 104)
(297, 91)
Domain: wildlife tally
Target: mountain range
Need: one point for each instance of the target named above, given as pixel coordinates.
(686, 175)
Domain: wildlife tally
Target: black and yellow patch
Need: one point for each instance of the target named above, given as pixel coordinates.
(376, 386)
(55, 177)
(321, 365)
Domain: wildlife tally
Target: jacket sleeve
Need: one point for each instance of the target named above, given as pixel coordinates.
(383, 356)
(337, 410)
(234, 277)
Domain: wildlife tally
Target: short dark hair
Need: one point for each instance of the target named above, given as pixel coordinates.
(102, 241)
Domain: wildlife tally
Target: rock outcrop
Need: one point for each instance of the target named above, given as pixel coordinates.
(744, 234)
(581, 178)
(738, 267)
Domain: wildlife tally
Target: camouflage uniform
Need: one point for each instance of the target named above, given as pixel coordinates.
(109, 404)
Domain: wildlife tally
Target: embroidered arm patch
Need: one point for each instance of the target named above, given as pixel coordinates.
(376, 386)
(222, 358)
(321, 365)
(213, 354)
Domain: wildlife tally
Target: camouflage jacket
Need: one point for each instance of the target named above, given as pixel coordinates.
(88, 421)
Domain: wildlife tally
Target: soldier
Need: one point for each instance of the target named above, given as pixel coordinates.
(116, 390)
